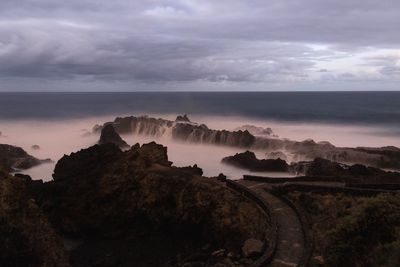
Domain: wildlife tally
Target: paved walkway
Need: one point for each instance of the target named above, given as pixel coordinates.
(290, 245)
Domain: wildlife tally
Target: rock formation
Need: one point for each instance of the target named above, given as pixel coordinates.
(256, 131)
(27, 238)
(386, 157)
(248, 160)
(15, 158)
(115, 203)
(356, 173)
(183, 118)
(109, 135)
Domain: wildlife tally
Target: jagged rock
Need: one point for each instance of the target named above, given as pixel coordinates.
(386, 157)
(252, 247)
(247, 160)
(183, 118)
(109, 135)
(139, 188)
(27, 239)
(12, 158)
(257, 131)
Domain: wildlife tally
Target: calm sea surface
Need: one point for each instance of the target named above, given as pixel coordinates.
(363, 108)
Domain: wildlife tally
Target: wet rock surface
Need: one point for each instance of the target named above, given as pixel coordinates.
(250, 137)
(248, 160)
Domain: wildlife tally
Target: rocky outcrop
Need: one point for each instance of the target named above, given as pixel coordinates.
(356, 173)
(109, 135)
(250, 138)
(183, 118)
(27, 238)
(201, 134)
(386, 157)
(248, 160)
(15, 158)
(256, 131)
(103, 195)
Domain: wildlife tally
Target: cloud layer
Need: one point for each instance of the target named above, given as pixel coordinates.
(199, 45)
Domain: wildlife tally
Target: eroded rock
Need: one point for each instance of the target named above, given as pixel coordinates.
(109, 135)
(248, 160)
(15, 158)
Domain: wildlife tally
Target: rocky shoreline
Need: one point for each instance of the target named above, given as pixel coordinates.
(188, 131)
(14, 158)
(117, 206)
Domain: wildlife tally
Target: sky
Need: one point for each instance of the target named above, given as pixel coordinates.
(199, 45)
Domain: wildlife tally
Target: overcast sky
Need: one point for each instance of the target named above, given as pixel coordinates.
(121, 45)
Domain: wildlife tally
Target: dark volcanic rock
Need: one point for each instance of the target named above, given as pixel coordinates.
(356, 173)
(12, 157)
(27, 239)
(247, 160)
(386, 157)
(183, 118)
(109, 135)
(324, 167)
(105, 196)
(201, 134)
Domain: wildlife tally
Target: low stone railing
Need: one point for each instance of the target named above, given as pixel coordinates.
(269, 252)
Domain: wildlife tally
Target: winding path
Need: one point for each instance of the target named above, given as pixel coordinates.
(290, 245)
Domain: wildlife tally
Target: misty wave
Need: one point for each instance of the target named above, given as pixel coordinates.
(57, 138)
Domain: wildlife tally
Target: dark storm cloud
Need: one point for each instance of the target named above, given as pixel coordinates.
(217, 41)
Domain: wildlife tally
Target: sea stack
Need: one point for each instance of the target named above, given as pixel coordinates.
(109, 135)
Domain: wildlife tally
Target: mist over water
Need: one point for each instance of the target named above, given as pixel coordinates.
(64, 136)
(60, 123)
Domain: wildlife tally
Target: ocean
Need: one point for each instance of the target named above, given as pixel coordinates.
(60, 122)
(361, 108)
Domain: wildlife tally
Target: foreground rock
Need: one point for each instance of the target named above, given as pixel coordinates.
(109, 135)
(27, 238)
(15, 158)
(115, 202)
(247, 160)
(182, 130)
